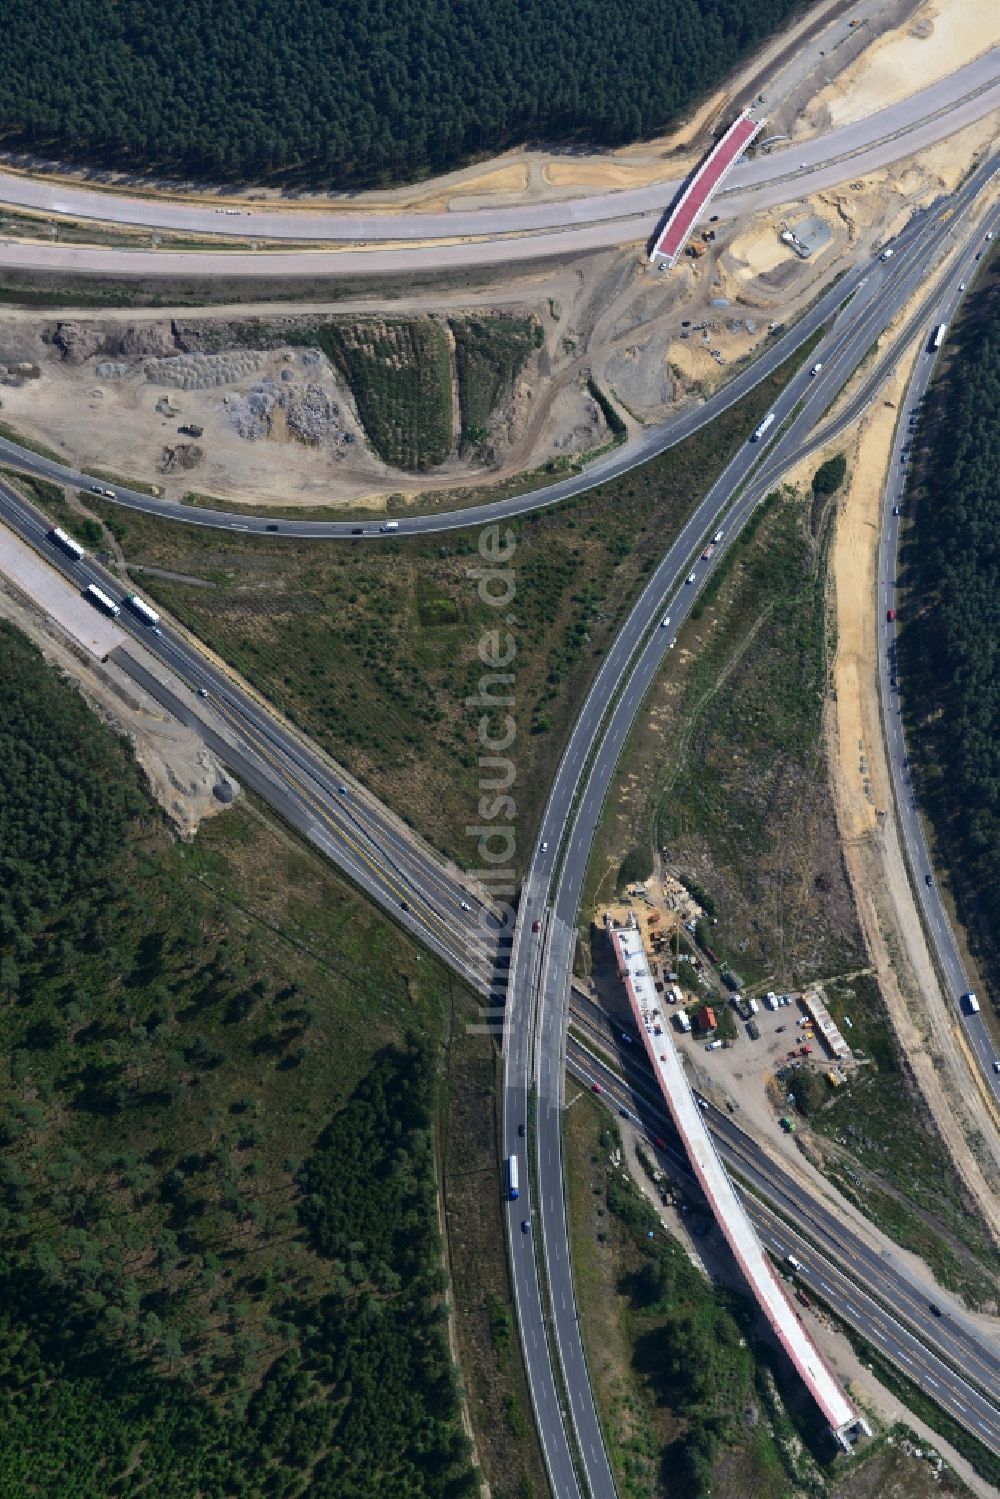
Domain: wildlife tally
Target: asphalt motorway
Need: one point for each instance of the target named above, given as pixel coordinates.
(878, 292)
(932, 908)
(856, 1284)
(385, 859)
(541, 964)
(519, 231)
(648, 443)
(954, 1335)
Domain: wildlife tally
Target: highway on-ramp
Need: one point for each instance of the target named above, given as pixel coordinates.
(535, 1052)
(647, 444)
(541, 963)
(383, 857)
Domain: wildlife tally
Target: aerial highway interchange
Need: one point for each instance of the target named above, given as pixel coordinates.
(534, 970)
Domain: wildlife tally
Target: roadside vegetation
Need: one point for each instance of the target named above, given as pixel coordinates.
(400, 376)
(725, 779)
(51, 500)
(489, 355)
(220, 1261)
(950, 641)
(373, 648)
(725, 775)
(691, 1395)
(351, 98)
(872, 1138)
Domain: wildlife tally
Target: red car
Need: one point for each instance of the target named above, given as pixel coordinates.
(595, 1087)
(890, 615)
(659, 1142)
(536, 926)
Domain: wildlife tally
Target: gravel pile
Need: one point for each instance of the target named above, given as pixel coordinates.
(203, 371)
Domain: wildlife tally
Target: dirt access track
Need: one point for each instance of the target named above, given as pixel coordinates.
(654, 343)
(876, 52)
(922, 1018)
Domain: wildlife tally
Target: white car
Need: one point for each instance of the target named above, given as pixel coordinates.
(545, 848)
(465, 905)
(664, 621)
(815, 370)
(691, 578)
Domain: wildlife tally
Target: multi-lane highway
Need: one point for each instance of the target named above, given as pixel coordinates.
(380, 855)
(945, 1355)
(407, 242)
(648, 443)
(541, 963)
(935, 916)
(383, 857)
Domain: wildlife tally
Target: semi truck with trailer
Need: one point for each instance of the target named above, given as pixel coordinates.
(102, 600)
(939, 333)
(139, 606)
(66, 544)
(512, 1188)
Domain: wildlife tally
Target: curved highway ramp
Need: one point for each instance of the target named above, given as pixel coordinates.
(845, 1423)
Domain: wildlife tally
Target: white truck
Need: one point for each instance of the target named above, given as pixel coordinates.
(970, 1003)
(102, 601)
(139, 606)
(66, 544)
(758, 432)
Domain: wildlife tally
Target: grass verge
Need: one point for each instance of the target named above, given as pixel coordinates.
(343, 640)
(217, 1198)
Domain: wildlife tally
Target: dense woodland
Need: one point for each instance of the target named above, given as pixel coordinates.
(355, 92)
(220, 1271)
(951, 649)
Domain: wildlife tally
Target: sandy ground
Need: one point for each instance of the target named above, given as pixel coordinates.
(921, 1017)
(181, 772)
(942, 36)
(608, 314)
(806, 54)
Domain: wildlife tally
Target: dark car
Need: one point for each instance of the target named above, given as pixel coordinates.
(536, 926)
(520, 1130)
(357, 531)
(928, 880)
(934, 1308)
(526, 1226)
(272, 528)
(404, 905)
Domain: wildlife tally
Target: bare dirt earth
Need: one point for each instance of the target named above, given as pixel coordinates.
(114, 390)
(923, 1020)
(939, 37)
(799, 60)
(184, 776)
